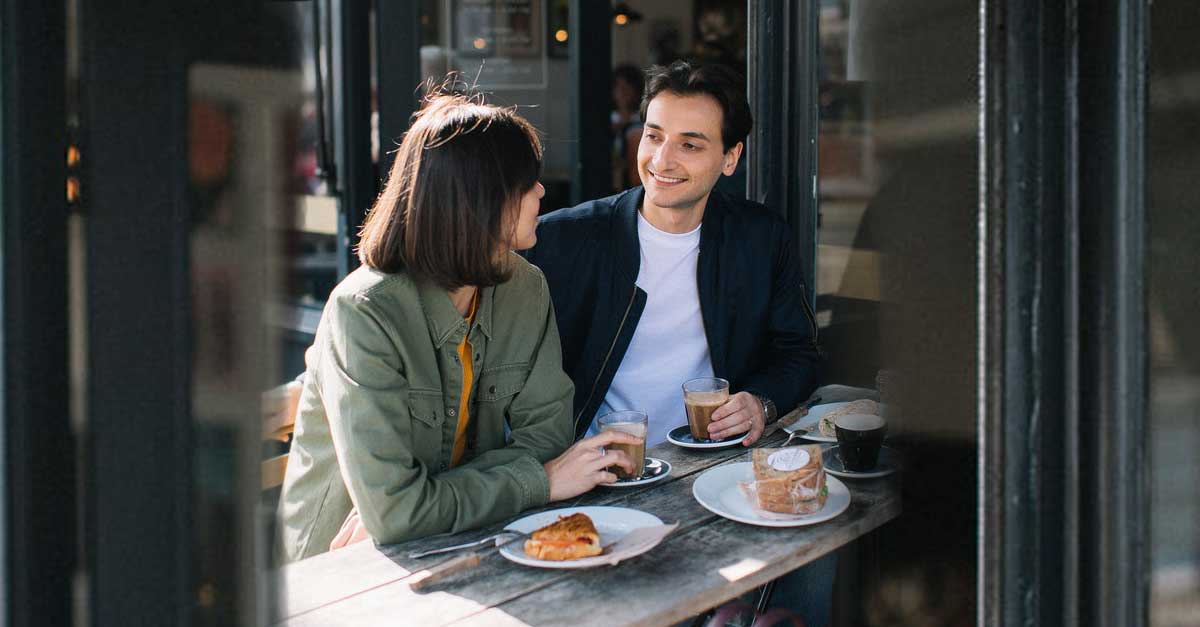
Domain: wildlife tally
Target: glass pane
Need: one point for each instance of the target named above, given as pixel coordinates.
(1173, 307)
(509, 50)
(896, 286)
(250, 164)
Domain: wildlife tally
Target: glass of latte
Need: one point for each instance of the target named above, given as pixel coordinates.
(701, 397)
(633, 423)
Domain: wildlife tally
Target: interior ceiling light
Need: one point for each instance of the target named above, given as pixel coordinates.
(623, 15)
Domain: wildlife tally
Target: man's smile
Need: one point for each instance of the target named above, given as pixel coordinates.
(665, 180)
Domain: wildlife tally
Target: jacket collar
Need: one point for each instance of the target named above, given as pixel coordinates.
(445, 323)
(627, 247)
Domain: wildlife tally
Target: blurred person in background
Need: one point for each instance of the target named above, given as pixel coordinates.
(626, 121)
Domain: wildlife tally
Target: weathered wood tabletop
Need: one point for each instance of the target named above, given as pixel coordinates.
(707, 561)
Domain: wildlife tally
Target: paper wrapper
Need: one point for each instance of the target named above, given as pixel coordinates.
(634, 543)
(787, 481)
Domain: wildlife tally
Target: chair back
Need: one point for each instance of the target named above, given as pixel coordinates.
(279, 407)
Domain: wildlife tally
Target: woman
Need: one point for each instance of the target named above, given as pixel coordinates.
(434, 398)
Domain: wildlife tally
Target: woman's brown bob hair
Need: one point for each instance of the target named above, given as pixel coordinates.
(461, 168)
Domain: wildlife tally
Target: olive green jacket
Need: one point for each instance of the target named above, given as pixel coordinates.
(377, 416)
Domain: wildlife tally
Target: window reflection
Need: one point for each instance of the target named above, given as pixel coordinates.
(1173, 301)
(255, 244)
(896, 284)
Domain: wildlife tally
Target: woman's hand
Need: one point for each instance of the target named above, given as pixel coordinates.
(583, 466)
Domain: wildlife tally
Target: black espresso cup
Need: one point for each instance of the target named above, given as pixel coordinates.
(859, 438)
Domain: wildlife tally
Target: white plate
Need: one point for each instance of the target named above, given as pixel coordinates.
(655, 469)
(612, 523)
(889, 461)
(682, 436)
(717, 490)
(814, 416)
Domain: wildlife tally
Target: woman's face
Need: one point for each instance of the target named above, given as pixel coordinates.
(524, 232)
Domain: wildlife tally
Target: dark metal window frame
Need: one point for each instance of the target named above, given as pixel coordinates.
(37, 448)
(590, 57)
(781, 80)
(350, 77)
(1063, 321)
(138, 446)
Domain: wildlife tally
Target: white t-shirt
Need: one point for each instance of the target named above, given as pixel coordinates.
(668, 346)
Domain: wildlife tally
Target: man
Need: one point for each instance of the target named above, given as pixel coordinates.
(673, 281)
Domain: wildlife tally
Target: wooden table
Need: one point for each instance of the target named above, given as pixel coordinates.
(706, 562)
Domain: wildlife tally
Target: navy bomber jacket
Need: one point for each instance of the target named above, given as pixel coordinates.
(761, 331)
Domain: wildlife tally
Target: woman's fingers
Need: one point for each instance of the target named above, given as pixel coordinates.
(608, 438)
(606, 477)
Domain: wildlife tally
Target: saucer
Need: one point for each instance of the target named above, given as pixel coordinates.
(655, 469)
(889, 462)
(682, 436)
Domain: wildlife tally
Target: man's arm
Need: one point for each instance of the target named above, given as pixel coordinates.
(788, 370)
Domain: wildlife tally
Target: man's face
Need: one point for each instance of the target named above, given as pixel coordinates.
(681, 155)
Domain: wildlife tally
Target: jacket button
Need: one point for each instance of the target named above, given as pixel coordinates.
(451, 411)
(492, 390)
(443, 466)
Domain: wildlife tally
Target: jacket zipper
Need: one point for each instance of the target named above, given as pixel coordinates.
(603, 366)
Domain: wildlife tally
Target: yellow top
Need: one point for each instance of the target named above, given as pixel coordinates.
(464, 403)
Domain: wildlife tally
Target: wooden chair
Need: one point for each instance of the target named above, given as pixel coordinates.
(279, 406)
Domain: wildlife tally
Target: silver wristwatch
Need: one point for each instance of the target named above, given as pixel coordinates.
(768, 407)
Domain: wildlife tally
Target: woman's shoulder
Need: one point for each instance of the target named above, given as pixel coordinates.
(526, 278)
(368, 289)
(525, 286)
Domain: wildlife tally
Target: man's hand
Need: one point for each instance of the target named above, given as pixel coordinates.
(583, 465)
(740, 414)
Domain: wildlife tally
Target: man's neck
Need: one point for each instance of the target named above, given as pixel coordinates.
(674, 220)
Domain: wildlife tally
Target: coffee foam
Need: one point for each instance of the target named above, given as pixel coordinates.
(860, 422)
(636, 429)
(706, 398)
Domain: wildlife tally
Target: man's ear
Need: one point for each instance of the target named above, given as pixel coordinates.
(731, 159)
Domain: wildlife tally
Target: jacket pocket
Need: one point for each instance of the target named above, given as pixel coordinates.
(426, 408)
(501, 382)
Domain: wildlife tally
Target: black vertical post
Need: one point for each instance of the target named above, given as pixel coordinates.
(350, 76)
(802, 204)
(781, 81)
(1029, 417)
(398, 47)
(37, 511)
(590, 49)
(138, 476)
(767, 74)
(1114, 489)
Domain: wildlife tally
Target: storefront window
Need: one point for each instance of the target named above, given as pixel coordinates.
(260, 232)
(896, 285)
(1173, 300)
(516, 52)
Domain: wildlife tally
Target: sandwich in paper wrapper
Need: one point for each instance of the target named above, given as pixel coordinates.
(787, 481)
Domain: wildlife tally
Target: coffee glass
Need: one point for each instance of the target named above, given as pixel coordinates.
(701, 397)
(860, 437)
(634, 423)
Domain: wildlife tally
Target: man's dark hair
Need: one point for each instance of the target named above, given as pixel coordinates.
(461, 168)
(722, 83)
